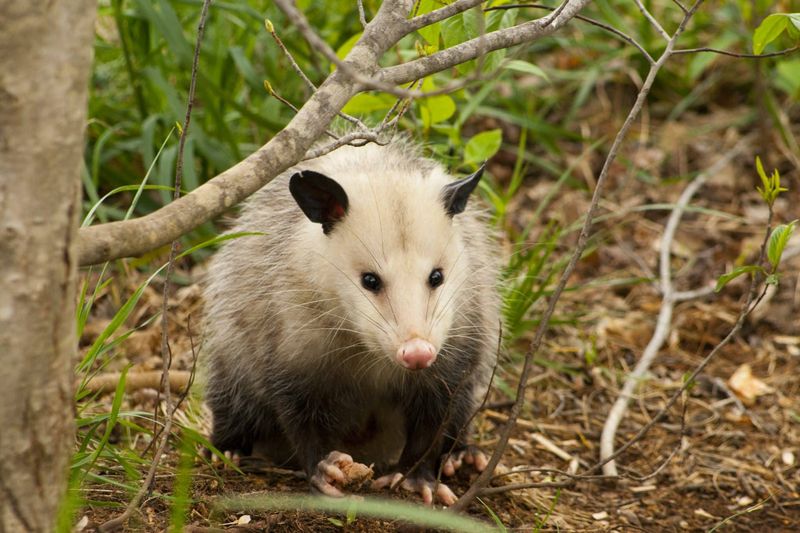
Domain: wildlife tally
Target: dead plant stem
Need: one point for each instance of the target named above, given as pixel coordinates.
(484, 478)
(166, 352)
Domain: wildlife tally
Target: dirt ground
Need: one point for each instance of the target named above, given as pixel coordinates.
(730, 463)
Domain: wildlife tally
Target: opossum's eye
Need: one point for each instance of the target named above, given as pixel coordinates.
(436, 278)
(371, 282)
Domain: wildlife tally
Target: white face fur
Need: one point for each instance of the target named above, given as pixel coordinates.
(394, 261)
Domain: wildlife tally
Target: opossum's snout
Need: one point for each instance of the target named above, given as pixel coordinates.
(416, 354)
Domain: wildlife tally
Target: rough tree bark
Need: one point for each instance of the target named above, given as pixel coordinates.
(45, 61)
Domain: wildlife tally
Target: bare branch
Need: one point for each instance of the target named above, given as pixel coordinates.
(680, 6)
(366, 136)
(362, 16)
(614, 31)
(310, 84)
(440, 14)
(365, 79)
(785, 52)
(664, 320)
(466, 51)
(652, 19)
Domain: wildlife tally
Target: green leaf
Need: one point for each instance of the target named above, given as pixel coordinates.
(364, 103)
(527, 68)
(788, 77)
(777, 242)
(430, 33)
(769, 30)
(435, 109)
(735, 273)
(483, 146)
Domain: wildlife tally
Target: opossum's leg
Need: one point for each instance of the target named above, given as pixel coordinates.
(310, 423)
(238, 428)
(230, 434)
(424, 443)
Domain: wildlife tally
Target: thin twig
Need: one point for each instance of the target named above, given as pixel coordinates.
(583, 238)
(367, 79)
(664, 320)
(366, 136)
(652, 20)
(557, 12)
(271, 90)
(362, 16)
(437, 15)
(611, 29)
(166, 353)
(310, 84)
(785, 52)
(680, 6)
(682, 296)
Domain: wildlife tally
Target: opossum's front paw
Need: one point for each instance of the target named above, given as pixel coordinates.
(422, 485)
(470, 455)
(336, 471)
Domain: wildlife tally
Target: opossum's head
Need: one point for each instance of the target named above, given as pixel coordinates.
(392, 249)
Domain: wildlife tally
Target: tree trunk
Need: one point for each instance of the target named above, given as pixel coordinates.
(45, 61)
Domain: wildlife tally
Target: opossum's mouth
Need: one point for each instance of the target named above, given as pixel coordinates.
(416, 354)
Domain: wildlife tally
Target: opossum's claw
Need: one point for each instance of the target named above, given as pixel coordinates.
(470, 455)
(389, 480)
(232, 456)
(422, 486)
(476, 458)
(330, 472)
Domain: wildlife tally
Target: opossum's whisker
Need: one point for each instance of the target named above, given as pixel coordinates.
(335, 331)
(439, 262)
(380, 223)
(360, 290)
(455, 292)
(372, 321)
(391, 307)
(440, 292)
(470, 275)
(354, 234)
(304, 327)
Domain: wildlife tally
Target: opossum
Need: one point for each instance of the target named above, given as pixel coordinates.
(361, 326)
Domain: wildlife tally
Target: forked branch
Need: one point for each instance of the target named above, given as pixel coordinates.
(360, 71)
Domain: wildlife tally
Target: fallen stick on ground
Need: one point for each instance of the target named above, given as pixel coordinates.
(107, 383)
(664, 322)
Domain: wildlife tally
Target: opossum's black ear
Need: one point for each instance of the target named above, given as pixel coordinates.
(321, 198)
(455, 194)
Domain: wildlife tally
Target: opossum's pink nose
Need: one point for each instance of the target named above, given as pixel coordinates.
(416, 354)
